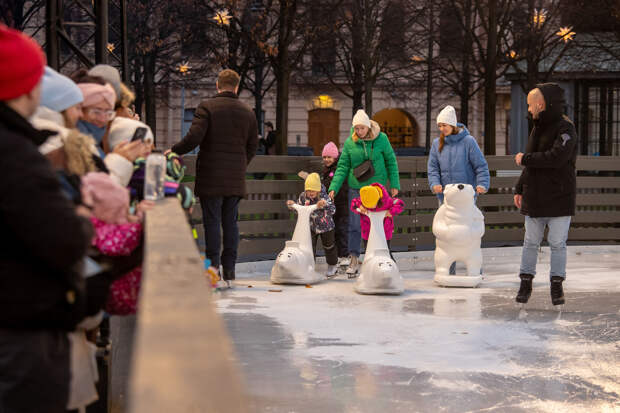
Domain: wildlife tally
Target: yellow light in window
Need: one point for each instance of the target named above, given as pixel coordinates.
(323, 102)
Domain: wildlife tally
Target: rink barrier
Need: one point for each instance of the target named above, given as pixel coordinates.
(182, 357)
(265, 222)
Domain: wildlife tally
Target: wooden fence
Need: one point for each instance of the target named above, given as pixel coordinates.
(265, 222)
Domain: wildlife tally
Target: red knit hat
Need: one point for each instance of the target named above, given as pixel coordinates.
(22, 63)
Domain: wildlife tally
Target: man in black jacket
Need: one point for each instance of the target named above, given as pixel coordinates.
(227, 133)
(41, 242)
(546, 190)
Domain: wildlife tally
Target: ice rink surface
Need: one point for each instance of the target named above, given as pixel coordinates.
(432, 349)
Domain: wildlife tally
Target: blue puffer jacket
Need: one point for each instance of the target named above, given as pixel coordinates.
(460, 162)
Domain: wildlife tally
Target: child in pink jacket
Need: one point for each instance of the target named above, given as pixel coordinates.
(117, 233)
(375, 197)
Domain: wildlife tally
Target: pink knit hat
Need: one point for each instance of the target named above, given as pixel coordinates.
(109, 200)
(95, 93)
(330, 150)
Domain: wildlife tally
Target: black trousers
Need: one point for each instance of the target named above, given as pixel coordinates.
(221, 213)
(342, 233)
(329, 246)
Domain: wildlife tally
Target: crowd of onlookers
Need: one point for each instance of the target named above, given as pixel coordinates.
(71, 211)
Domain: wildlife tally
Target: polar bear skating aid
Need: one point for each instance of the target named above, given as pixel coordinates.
(458, 227)
(379, 273)
(295, 264)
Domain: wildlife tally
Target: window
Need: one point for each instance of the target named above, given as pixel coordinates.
(598, 123)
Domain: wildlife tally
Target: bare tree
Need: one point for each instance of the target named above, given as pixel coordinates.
(367, 42)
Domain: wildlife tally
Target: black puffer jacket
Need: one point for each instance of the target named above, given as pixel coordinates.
(42, 239)
(342, 198)
(549, 183)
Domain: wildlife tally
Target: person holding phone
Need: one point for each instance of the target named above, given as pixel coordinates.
(367, 158)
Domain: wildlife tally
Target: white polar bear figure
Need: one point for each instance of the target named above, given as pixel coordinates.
(379, 273)
(458, 227)
(295, 264)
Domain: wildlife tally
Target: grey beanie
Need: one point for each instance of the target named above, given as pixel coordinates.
(110, 74)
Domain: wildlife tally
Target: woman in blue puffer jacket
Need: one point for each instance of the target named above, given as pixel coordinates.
(455, 157)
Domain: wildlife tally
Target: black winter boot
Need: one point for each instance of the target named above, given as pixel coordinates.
(525, 290)
(228, 275)
(557, 293)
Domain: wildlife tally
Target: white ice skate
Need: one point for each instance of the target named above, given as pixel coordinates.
(295, 264)
(458, 227)
(379, 273)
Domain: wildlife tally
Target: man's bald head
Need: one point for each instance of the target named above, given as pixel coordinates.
(535, 102)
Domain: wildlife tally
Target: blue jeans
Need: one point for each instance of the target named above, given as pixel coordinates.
(355, 227)
(534, 232)
(221, 212)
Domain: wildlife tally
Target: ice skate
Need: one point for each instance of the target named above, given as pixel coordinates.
(353, 268)
(332, 271)
(525, 290)
(557, 292)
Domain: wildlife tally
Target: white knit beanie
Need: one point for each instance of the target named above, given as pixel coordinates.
(361, 118)
(447, 116)
(122, 130)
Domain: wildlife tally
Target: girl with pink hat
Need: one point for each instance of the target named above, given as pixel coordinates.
(341, 218)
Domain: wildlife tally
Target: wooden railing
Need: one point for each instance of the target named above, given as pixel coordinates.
(265, 222)
(181, 360)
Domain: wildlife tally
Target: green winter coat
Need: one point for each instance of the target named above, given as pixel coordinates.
(354, 153)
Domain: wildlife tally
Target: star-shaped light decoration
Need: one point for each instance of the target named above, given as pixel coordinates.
(539, 17)
(566, 33)
(512, 54)
(111, 47)
(417, 59)
(222, 18)
(184, 68)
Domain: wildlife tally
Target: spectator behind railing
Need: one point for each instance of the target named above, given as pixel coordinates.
(43, 239)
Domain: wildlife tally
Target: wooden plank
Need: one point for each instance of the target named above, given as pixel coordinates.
(178, 330)
(598, 163)
(598, 182)
(503, 163)
(424, 239)
(277, 206)
(594, 234)
(255, 186)
(269, 226)
(261, 246)
(503, 234)
(598, 199)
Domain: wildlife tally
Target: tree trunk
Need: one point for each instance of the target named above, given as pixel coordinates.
(149, 93)
(356, 57)
(467, 50)
(283, 74)
(368, 96)
(138, 87)
(490, 96)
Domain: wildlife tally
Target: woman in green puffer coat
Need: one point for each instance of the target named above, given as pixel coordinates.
(366, 142)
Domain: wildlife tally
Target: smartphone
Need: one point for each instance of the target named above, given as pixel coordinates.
(139, 134)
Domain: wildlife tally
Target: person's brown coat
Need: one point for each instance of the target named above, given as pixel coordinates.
(226, 131)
